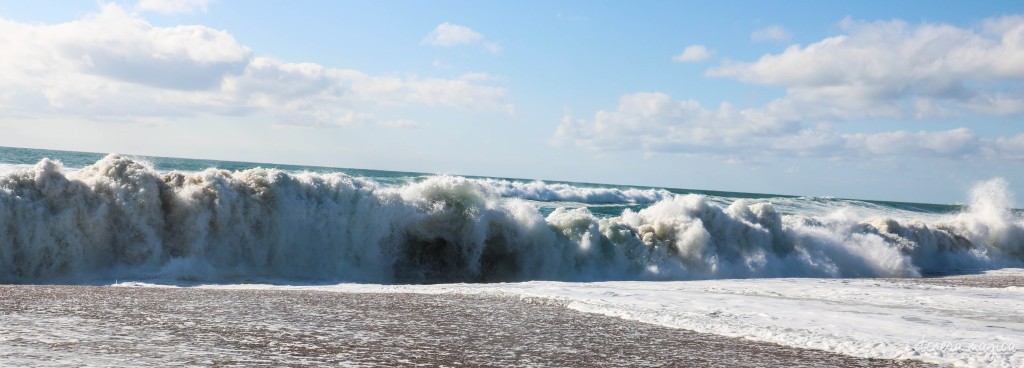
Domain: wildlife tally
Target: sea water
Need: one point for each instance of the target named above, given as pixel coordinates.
(67, 216)
(73, 217)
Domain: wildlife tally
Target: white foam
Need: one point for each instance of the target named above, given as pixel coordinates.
(120, 218)
(4, 167)
(961, 326)
(558, 192)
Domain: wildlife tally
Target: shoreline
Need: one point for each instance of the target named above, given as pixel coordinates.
(993, 279)
(55, 325)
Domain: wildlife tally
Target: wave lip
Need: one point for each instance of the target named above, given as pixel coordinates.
(120, 218)
(559, 192)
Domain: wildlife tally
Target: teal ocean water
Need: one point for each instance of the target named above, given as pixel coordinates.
(77, 216)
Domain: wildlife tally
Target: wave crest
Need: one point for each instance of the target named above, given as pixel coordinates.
(121, 218)
(558, 192)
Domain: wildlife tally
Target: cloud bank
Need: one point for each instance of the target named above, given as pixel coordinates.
(657, 123)
(876, 70)
(113, 64)
(891, 69)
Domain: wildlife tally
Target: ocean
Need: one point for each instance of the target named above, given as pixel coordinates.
(807, 272)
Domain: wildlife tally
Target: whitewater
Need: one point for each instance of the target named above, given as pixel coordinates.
(798, 271)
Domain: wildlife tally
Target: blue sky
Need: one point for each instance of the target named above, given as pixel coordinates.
(911, 101)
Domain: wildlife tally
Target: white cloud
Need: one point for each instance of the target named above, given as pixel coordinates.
(693, 53)
(772, 33)
(115, 65)
(657, 123)
(878, 70)
(889, 70)
(895, 70)
(449, 35)
(172, 6)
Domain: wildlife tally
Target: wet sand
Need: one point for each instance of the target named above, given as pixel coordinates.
(990, 280)
(127, 326)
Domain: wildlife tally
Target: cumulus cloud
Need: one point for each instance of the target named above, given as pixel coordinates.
(172, 6)
(658, 123)
(893, 69)
(114, 64)
(693, 53)
(449, 35)
(772, 33)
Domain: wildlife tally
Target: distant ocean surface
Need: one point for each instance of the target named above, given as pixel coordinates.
(85, 217)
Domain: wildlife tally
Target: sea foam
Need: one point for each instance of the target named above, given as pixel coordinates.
(560, 192)
(121, 218)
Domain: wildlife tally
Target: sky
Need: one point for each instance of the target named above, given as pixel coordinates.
(907, 101)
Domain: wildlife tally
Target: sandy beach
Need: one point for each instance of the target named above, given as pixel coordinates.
(128, 326)
(980, 280)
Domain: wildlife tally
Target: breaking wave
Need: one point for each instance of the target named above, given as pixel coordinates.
(559, 192)
(120, 218)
